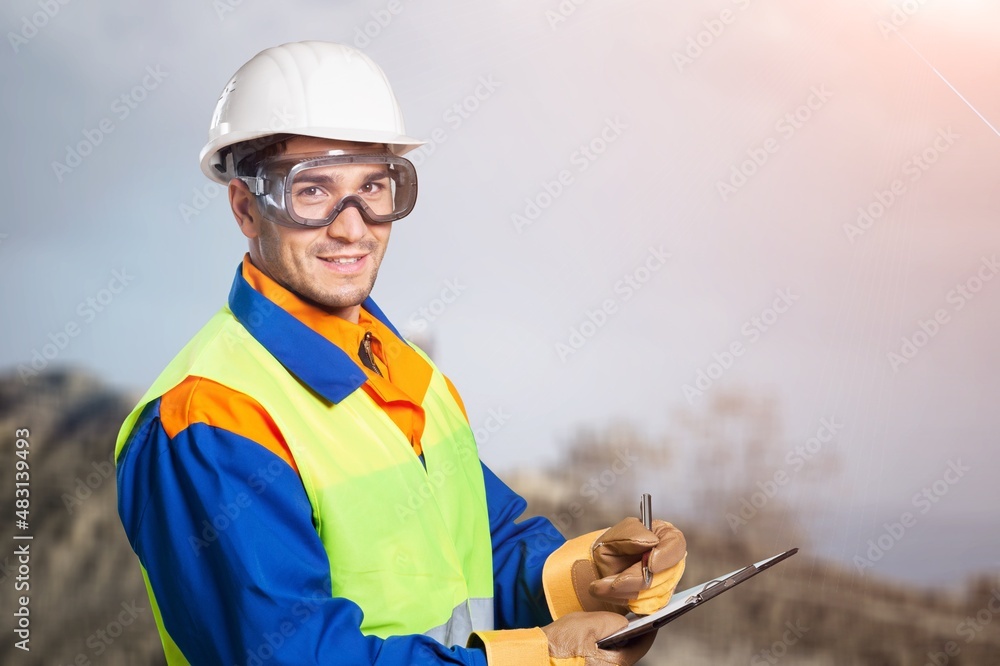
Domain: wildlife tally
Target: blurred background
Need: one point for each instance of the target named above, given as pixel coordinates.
(739, 254)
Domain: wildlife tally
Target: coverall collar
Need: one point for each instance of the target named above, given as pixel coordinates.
(321, 365)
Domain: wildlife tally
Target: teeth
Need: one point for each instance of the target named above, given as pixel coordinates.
(351, 260)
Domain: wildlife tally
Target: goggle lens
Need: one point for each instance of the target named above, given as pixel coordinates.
(312, 190)
(315, 193)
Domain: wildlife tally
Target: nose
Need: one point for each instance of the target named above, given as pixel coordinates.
(349, 226)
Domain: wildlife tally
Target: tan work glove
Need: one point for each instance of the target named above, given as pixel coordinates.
(617, 554)
(569, 641)
(573, 641)
(603, 570)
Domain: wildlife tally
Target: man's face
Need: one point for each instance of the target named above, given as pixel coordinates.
(334, 266)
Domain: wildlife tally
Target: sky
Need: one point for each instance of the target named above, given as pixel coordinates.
(625, 208)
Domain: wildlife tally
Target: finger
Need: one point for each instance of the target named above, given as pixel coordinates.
(670, 549)
(630, 584)
(620, 587)
(622, 546)
(629, 537)
(576, 634)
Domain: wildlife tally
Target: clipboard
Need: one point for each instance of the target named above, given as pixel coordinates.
(687, 600)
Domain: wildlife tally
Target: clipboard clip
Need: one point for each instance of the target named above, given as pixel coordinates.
(718, 586)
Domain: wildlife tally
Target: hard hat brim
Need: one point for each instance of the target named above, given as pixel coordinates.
(398, 144)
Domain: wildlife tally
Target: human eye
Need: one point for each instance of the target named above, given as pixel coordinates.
(375, 186)
(311, 192)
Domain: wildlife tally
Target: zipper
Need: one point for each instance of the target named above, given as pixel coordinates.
(367, 358)
(365, 353)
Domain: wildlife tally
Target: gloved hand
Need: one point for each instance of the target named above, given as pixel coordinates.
(617, 555)
(603, 570)
(575, 636)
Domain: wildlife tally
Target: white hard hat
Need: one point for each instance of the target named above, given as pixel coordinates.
(320, 89)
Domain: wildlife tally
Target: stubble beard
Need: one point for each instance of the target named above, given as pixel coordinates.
(293, 272)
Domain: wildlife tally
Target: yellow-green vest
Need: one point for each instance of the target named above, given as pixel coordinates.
(410, 545)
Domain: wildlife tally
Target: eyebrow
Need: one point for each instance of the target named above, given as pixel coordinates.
(315, 179)
(326, 179)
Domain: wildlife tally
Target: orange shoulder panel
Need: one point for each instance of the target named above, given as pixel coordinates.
(456, 396)
(200, 400)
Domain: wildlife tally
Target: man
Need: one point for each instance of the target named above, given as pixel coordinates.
(300, 484)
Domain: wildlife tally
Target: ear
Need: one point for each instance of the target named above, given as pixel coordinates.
(244, 206)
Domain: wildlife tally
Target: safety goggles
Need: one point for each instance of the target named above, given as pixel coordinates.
(312, 189)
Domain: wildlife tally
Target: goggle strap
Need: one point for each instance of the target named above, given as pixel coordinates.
(255, 184)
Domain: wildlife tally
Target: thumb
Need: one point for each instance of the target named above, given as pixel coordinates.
(622, 546)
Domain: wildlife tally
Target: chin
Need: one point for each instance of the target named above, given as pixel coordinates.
(343, 298)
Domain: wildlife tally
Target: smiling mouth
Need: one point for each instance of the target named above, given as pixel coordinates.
(341, 260)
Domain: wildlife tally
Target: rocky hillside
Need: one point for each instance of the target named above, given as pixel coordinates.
(87, 600)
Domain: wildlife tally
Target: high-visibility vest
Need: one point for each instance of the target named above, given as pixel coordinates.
(409, 544)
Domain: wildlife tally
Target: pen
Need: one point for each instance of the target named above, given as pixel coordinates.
(646, 516)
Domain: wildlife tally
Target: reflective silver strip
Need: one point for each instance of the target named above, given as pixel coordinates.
(473, 615)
